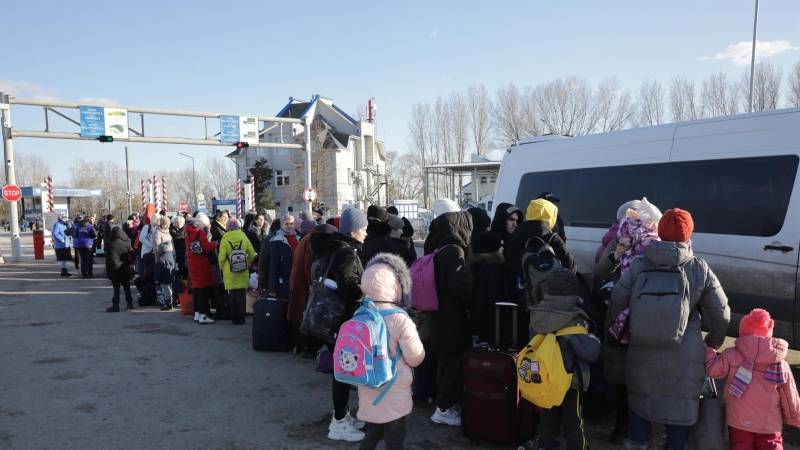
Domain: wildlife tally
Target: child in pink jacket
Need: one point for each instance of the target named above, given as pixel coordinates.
(760, 394)
(387, 283)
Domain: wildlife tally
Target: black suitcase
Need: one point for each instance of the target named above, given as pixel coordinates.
(271, 330)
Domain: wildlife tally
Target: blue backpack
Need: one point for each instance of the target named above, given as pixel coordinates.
(361, 355)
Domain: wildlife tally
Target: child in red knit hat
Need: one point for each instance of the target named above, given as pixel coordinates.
(760, 394)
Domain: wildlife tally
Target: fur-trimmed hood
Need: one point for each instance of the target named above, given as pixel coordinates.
(486, 258)
(386, 279)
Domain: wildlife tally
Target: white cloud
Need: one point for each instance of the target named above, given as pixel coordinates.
(28, 89)
(740, 53)
(94, 101)
(444, 80)
(433, 34)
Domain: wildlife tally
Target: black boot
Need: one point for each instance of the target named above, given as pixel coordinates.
(129, 305)
(113, 308)
(64, 273)
(241, 320)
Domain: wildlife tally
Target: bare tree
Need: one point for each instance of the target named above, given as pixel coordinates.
(220, 176)
(793, 97)
(766, 86)
(614, 106)
(458, 116)
(419, 140)
(651, 104)
(720, 95)
(683, 104)
(30, 169)
(405, 182)
(514, 117)
(566, 106)
(480, 108)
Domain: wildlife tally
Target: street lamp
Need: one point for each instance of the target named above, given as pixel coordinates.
(194, 184)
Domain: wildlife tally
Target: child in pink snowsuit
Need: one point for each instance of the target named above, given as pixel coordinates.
(760, 394)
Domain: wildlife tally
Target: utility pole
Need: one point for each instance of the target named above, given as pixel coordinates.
(194, 184)
(11, 178)
(753, 59)
(307, 137)
(128, 181)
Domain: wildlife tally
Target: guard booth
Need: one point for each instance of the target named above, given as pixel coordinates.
(34, 197)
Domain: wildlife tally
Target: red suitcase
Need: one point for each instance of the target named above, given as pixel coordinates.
(493, 409)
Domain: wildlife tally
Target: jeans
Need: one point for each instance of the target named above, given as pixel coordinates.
(237, 302)
(86, 261)
(640, 432)
(393, 434)
(139, 265)
(126, 284)
(449, 384)
(569, 415)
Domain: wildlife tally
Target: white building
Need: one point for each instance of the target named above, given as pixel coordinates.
(348, 163)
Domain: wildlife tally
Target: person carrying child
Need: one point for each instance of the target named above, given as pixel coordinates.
(760, 391)
(558, 310)
(164, 250)
(387, 283)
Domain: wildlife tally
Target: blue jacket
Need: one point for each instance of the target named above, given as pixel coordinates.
(84, 236)
(60, 239)
(280, 269)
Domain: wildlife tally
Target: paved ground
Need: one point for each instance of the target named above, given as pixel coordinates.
(73, 376)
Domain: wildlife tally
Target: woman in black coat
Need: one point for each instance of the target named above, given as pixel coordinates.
(119, 256)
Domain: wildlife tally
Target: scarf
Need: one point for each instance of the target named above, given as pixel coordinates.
(777, 373)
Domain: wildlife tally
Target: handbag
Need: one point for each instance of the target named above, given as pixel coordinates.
(323, 315)
(710, 431)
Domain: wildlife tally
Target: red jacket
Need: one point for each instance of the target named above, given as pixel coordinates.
(765, 406)
(200, 270)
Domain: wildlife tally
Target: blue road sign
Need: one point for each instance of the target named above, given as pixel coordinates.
(229, 129)
(93, 123)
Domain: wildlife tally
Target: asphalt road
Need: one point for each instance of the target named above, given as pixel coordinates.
(74, 376)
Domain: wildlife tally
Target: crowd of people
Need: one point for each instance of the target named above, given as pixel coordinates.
(646, 334)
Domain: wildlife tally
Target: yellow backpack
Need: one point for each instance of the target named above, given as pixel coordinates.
(543, 380)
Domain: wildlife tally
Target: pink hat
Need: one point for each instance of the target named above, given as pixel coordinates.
(757, 323)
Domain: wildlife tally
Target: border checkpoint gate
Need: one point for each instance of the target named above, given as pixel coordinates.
(9, 134)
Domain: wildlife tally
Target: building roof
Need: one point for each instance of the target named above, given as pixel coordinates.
(467, 167)
(28, 192)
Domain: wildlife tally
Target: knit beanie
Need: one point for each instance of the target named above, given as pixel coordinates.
(408, 229)
(376, 212)
(351, 220)
(480, 219)
(633, 204)
(444, 206)
(395, 222)
(676, 225)
(488, 242)
(393, 210)
(307, 226)
(562, 282)
(541, 209)
(305, 215)
(326, 228)
(232, 224)
(201, 220)
(757, 323)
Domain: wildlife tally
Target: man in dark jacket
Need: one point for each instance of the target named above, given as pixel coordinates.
(486, 268)
(378, 231)
(507, 218)
(107, 229)
(402, 246)
(339, 252)
(450, 333)
(559, 227)
(119, 256)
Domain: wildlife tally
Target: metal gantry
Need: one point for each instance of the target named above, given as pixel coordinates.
(10, 133)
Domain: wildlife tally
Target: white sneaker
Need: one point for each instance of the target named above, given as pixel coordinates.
(357, 424)
(343, 430)
(450, 417)
(204, 319)
(196, 316)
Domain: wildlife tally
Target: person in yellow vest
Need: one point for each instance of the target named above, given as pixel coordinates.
(561, 309)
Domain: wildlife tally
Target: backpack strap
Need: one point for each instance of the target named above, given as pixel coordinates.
(398, 354)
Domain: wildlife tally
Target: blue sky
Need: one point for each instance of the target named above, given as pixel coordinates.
(240, 57)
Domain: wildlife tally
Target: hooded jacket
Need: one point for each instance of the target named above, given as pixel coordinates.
(280, 270)
(165, 254)
(664, 384)
(489, 288)
(502, 212)
(377, 241)
(385, 273)
(217, 231)
(200, 270)
(235, 240)
(300, 279)
(84, 235)
(764, 407)
(450, 331)
(404, 247)
(577, 350)
(346, 268)
(147, 230)
(117, 252)
(179, 241)
(60, 239)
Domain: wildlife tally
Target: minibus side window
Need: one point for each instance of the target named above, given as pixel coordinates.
(744, 196)
(562, 183)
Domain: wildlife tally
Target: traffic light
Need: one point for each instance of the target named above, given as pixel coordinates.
(106, 138)
(242, 145)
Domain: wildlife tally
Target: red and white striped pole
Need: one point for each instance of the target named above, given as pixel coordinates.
(50, 203)
(144, 196)
(164, 192)
(238, 199)
(156, 194)
(252, 193)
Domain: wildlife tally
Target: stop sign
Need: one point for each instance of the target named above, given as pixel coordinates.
(12, 193)
(183, 206)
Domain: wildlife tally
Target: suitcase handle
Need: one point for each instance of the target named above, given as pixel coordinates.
(497, 307)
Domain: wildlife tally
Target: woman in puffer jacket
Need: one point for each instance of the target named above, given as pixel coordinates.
(387, 283)
(201, 273)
